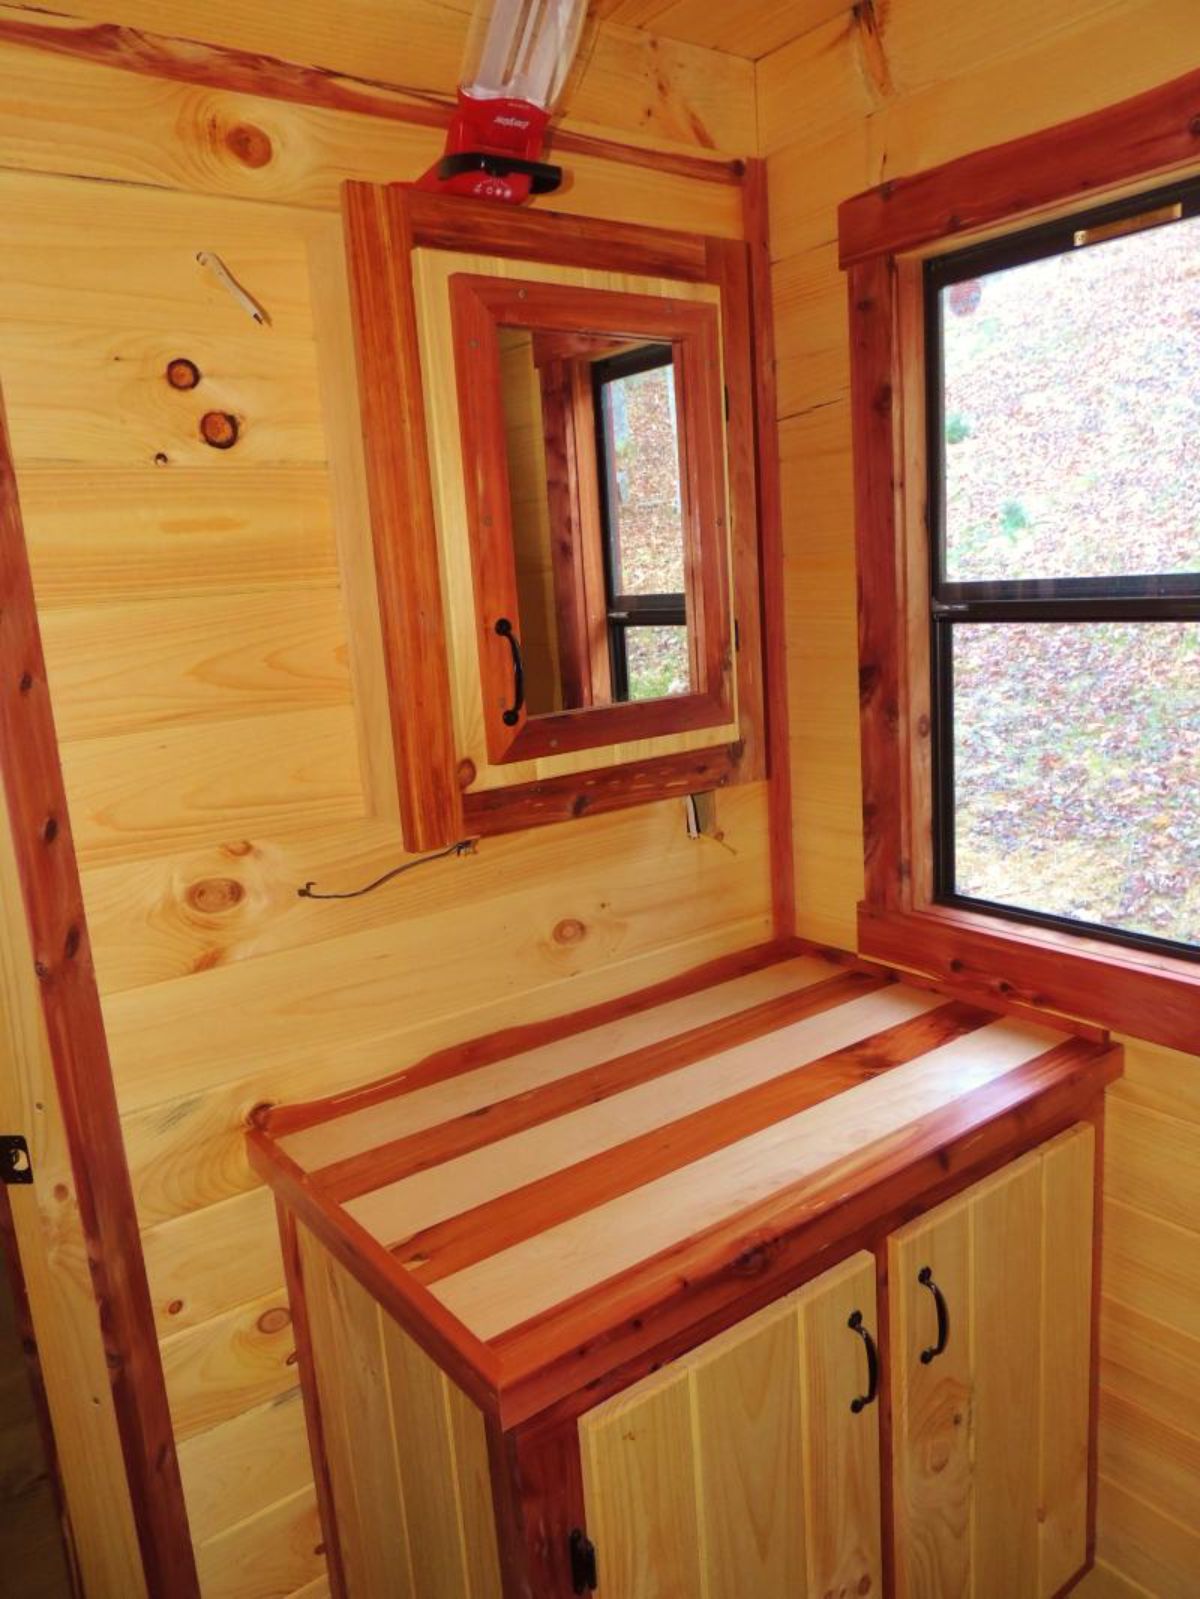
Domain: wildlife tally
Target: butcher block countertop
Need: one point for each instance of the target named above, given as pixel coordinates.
(539, 1205)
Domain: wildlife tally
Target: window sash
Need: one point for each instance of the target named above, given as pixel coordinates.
(1032, 244)
(1145, 597)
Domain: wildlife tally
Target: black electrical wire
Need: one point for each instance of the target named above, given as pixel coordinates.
(465, 846)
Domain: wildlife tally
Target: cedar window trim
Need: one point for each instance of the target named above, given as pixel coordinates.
(885, 236)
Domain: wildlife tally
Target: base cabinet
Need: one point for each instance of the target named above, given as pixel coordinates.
(802, 1453)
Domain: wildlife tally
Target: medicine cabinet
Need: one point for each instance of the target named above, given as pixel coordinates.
(559, 430)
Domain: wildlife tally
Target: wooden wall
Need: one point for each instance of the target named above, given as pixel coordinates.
(884, 90)
(214, 708)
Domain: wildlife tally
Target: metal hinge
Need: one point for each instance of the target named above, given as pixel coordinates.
(583, 1562)
(15, 1165)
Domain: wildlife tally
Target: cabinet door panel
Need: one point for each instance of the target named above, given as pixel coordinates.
(639, 1474)
(1006, 1324)
(991, 1435)
(841, 1456)
(1067, 1309)
(931, 1404)
(748, 1420)
(742, 1469)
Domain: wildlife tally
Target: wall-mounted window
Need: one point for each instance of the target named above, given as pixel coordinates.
(1025, 401)
(1064, 489)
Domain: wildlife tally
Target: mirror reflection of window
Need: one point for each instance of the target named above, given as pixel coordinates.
(637, 436)
(595, 479)
(526, 450)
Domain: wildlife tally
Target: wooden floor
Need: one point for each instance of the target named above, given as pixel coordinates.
(539, 1193)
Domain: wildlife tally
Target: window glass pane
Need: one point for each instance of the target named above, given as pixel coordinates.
(658, 662)
(1077, 771)
(1072, 411)
(645, 501)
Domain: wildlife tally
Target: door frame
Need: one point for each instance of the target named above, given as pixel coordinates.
(76, 1224)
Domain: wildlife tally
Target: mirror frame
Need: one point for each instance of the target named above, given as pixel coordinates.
(384, 225)
(480, 307)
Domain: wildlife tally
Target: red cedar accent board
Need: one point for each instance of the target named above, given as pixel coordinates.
(379, 245)
(1142, 139)
(730, 269)
(70, 1001)
(609, 788)
(879, 592)
(763, 407)
(887, 1481)
(988, 997)
(1154, 998)
(481, 227)
(1153, 132)
(267, 77)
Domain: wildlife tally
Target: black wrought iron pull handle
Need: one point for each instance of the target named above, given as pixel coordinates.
(925, 1278)
(863, 1400)
(513, 715)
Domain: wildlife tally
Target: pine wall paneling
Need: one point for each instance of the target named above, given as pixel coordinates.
(887, 90)
(211, 665)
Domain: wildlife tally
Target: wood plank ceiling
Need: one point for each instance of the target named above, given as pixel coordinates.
(749, 28)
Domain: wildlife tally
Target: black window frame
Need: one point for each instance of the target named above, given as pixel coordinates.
(1142, 597)
(625, 611)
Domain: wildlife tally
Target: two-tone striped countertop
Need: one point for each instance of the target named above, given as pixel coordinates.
(531, 1199)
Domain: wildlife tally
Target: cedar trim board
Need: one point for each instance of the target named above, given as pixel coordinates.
(52, 896)
(403, 530)
(1157, 131)
(765, 410)
(491, 811)
(268, 77)
(585, 1264)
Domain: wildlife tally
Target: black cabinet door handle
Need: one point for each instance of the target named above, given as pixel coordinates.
(512, 716)
(925, 1278)
(863, 1400)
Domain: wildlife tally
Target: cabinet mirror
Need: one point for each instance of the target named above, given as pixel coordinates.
(593, 449)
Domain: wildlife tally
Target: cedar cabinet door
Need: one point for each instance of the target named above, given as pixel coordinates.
(744, 1460)
(991, 1427)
